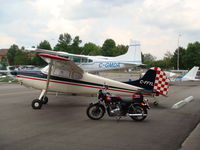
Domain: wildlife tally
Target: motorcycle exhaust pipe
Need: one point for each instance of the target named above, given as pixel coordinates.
(137, 115)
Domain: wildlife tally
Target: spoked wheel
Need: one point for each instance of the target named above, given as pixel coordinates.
(95, 112)
(141, 111)
(44, 100)
(36, 104)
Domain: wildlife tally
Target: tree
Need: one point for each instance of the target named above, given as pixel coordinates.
(75, 46)
(108, 48)
(120, 50)
(44, 45)
(21, 58)
(147, 58)
(37, 60)
(64, 43)
(167, 60)
(3, 63)
(182, 52)
(192, 55)
(11, 54)
(91, 49)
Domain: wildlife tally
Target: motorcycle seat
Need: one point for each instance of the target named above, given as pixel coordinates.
(127, 100)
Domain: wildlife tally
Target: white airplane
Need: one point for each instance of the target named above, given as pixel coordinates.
(63, 75)
(190, 76)
(100, 63)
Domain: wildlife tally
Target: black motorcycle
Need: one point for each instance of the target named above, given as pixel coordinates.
(135, 107)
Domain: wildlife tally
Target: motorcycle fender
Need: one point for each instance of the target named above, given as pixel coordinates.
(99, 104)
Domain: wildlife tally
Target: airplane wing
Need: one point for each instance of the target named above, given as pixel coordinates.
(61, 64)
(59, 53)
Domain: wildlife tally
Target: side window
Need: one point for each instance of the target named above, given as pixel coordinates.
(61, 73)
(90, 60)
(76, 59)
(84, 60)
(76, 75)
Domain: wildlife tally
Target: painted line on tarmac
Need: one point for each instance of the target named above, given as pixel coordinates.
(183, 102)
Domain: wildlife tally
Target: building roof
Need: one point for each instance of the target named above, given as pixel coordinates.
(3, 52)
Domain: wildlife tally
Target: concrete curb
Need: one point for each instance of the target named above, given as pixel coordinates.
(192, 141)
(182, 102)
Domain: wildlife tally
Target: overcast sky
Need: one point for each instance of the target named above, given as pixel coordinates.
(155, 23)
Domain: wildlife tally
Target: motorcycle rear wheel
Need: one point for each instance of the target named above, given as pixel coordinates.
(138, 110)
(95, 112)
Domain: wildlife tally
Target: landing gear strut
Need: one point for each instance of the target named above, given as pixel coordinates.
(37, 103)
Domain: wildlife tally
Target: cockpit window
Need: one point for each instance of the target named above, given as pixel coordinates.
(78, 59)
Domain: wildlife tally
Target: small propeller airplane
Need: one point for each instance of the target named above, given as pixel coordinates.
(190, 76)
(63, 75)
(100, 63)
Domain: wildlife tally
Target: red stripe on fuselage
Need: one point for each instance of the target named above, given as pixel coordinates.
(97, 87)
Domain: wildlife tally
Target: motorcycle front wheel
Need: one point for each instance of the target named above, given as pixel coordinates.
(95, 112)
(138, 110)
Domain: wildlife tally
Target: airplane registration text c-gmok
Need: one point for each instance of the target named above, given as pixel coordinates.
(63, 75)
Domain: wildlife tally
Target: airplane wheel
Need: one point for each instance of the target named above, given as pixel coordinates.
(155, 103)
(44, 100)
(36, 104)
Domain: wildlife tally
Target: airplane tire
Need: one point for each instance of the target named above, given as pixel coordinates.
(36, 104)
(44, 100)
(155, 103)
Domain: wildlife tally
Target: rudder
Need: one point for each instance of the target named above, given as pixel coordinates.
(154, 80)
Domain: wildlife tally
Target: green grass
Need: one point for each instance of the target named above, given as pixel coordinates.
(7, 79)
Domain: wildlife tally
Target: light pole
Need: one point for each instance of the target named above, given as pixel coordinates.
(178, 52)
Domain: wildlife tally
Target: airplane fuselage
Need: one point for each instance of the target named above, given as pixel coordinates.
(83, 86)
(104, 65)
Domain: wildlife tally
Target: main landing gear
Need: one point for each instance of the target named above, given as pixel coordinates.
(37, 103)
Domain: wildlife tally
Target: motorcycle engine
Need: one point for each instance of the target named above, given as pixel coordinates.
(115, 109)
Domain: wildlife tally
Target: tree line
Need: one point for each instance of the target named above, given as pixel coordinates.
(188, 57)
(19, 56)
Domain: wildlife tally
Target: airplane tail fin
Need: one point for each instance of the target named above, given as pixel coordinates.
(133, 55)
(154, 80)
(191, 74)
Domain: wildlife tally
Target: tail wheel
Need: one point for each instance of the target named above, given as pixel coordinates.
(44, 100)
(95, 112)
(36, 104)
(155, 103)
(138, 110)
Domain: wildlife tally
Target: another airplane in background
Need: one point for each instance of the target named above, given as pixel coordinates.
(100, 63)
(63, 75)
(190, 76)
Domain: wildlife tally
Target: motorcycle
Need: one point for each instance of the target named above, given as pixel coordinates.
(115, 106)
